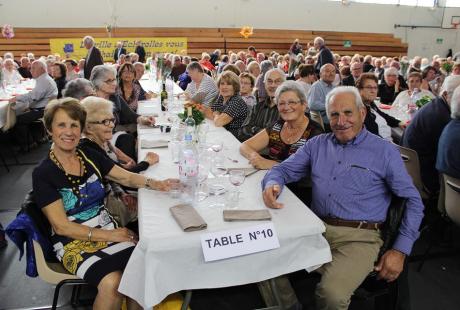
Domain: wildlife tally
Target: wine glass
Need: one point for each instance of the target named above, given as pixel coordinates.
(237, 177)
(203, 172)
(218, 169)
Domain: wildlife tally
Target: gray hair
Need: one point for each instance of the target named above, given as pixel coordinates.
(450, 84)
(41, 64)
(252, 64)
(96, 106)
(99, 73)
(265, 65)
(88, 39)
(344, 90)
(78, 89)
(455, 104)
(319, 40)
(194, 65)
(138, 64)
(291, 86)
(391, 71)
(269, 72)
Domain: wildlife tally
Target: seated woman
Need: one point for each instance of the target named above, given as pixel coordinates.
(391, 86)
(229, 110)
(68, 188)
(247, 82)
(130, 91)
(104, 80)
(97, 136)
(59, 73)
(414, 81)
(286, 135)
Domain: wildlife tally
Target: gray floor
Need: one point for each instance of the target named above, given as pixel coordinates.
(436, 287)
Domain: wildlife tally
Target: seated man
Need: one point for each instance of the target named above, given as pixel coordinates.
(356, 71)
(30, 107)
(264, 113)
(423, 132)
(202, 89)
(448, 159)
(376, 121)
(354, 174)
(403, 99)
(319, 90)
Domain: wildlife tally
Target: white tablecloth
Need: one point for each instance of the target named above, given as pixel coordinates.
(168, 260)
(3, 110)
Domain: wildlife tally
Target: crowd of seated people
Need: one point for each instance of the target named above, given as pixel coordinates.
(250, 94)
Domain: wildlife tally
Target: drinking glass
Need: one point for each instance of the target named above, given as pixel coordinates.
(218, 169)
(202, 133)
(175, 148)
(203, 172)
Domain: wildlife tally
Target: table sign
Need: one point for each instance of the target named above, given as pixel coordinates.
(237, 242)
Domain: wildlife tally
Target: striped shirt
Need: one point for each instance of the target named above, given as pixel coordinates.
(206, 93)
(354, 181)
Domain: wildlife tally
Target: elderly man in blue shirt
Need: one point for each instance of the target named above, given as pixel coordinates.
(319, 90)
(354, 174)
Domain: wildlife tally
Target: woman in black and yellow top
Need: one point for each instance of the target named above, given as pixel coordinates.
(68, 188)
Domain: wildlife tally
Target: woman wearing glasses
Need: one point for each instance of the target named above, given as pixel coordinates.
(287, 134)
(97, 135)
(68, 188)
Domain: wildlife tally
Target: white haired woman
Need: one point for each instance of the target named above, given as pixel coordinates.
(390, 88)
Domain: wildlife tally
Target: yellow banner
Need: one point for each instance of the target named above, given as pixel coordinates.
(74, 47)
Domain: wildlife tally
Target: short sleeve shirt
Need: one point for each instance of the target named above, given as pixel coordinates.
(236, 108)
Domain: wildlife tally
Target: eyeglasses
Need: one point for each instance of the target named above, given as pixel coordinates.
(269, 82)
(371, 87)
(105, 122)
(110, 81)
(289, 103)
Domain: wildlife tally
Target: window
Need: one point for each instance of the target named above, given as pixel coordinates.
(426, 3)
(452, 3)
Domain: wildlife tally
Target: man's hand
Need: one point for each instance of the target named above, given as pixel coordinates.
(270, 194)
(390, 265)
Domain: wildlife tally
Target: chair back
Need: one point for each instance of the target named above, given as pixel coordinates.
(51, 272)
(317, 118)
(452, 198)
(412, 163)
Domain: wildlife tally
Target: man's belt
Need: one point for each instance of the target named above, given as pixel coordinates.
(355, 224)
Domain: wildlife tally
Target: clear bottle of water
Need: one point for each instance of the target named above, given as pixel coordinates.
(190, 125)
(188, 170)
(412, 106)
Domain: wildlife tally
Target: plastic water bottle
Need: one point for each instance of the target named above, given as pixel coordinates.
(189, 126)
(412, 106)
(188, 170)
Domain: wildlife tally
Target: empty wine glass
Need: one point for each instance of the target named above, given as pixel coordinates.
(218, 169)
(237, 177)
(203, 172)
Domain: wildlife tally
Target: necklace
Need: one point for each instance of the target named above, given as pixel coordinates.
(291, 133)
(73, 180)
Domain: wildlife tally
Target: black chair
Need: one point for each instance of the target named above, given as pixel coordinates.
(387, 295)
(50, 271)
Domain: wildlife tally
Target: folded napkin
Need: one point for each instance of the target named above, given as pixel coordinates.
(150, 144)
(141, 126)
(187, 218)
(247, 215)
(247, 171)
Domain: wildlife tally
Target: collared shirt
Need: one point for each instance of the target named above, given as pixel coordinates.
(262, 115)
(317, 98)
(250, 100)
(206, 93)
(45, 89)
(354, 181)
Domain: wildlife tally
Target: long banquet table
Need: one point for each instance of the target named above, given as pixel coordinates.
(167, 259)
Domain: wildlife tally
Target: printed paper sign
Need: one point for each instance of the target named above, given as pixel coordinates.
(225, 244)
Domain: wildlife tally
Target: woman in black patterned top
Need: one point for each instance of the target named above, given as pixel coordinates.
(230, 110)
(287, 134)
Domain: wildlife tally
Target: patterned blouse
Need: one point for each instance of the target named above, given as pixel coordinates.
(236, 108)
(279, 150)
(137, 94)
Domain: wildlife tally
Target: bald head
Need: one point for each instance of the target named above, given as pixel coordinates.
(38, 68)
(327, 73)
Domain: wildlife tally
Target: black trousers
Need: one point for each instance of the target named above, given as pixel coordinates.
(21, 128)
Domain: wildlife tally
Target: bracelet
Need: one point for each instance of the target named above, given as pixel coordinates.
(147, 183)
(90, 233)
